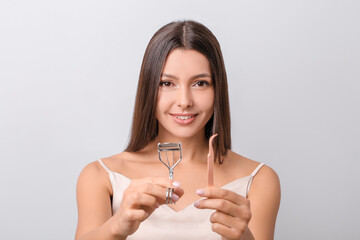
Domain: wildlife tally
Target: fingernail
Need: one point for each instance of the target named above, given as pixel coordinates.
(157, 205)
(176, 184)
(174, 197)
(200, 192)
(196, 204)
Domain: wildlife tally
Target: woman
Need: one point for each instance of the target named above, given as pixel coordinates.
(182, 97)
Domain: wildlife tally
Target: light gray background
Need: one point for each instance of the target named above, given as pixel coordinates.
(69, 71)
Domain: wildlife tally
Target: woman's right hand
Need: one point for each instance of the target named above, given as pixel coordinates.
(140, 200)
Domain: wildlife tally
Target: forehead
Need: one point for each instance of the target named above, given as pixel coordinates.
(180, 61)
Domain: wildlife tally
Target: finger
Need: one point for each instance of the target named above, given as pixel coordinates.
(136, 215)
(223, 194)
(154, 190)
(137, 199)
(242, 212)
(228, 221)
(161, 192)
(222, 218)
(228, 232)
(179, 191)
(157, 187)
(147, 209)
(221, 205)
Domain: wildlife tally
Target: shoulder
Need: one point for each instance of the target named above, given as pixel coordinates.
(92, 169)
(123, 162)
(242, 165)
(93, 194)
(266, 178)
(266, 185)
(264, 196)
(93, 176)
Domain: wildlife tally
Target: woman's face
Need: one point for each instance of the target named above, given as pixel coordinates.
(186, 94)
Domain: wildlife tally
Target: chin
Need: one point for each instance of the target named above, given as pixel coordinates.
(177, 131)
(185, 133)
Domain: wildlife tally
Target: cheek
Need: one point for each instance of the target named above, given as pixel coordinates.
(161, 104)
(207, 101)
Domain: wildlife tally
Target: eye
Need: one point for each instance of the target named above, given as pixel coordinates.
(165, 84)
(201, 83)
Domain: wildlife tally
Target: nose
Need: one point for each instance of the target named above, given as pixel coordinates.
(184, 98)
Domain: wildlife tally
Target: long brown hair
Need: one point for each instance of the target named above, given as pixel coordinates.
(184, 35)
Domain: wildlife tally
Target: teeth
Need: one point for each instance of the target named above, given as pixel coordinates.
(183, 117)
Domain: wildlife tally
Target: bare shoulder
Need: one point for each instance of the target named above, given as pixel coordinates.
(266, 179)
(122, 159)
(95, 176)
(129, 163)
(266, 185)
(93, 193)
(245, 166)
(115, 162)
(264, 195)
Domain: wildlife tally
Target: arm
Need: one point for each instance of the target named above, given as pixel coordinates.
(93, 192)
(240, 218)
(140, 199)
(264, 196)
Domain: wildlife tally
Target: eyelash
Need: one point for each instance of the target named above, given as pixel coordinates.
(163, 83)
(200, 83)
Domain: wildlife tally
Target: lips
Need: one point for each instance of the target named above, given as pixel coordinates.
(183, 119)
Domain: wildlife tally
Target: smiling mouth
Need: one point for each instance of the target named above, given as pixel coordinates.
(184, 117)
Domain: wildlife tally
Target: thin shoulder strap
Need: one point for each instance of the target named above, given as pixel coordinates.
(111, 175)
(257, 169)
(252, 176)
(104, 166)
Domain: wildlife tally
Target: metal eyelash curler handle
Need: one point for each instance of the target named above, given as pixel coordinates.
(169, 147)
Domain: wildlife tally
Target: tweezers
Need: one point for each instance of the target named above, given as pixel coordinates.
(210, 162)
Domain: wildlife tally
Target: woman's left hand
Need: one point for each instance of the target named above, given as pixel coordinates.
(232, 214)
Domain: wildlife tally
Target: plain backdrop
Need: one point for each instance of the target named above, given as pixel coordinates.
(68, 77)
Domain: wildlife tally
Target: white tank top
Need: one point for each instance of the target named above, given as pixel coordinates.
(165, 223)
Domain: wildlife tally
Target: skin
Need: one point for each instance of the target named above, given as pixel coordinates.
(186, 89)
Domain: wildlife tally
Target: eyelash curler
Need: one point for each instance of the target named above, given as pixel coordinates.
(170, 147)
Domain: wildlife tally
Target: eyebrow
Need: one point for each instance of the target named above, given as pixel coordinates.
(201, 75)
